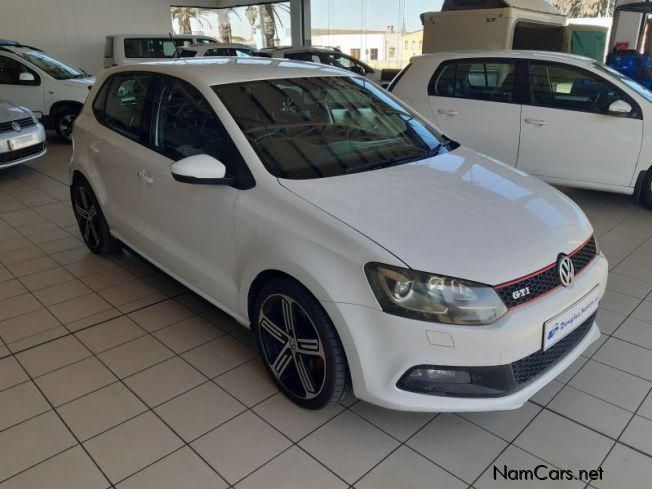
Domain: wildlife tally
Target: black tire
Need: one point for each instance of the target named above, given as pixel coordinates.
(92, 224)
(284, 349)
(63, 121)
(646, 189)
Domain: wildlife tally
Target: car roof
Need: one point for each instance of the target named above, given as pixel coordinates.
(300, 49)
(503, 53)
(223, 70)
(138, 35)
(218, 45)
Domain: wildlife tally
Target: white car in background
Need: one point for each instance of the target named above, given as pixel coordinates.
(50, 88)
(121, 49)
(22, 137)
(220, 49)
(362, 246)
(567, 119)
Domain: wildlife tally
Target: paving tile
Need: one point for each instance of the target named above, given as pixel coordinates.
(64, 244)
(218, 356)
(107, 278)
(547, 393)
(142, 302)
(136, 355)
(293, 469)
(36, 339)
(188, 334)
(629, 286)
(31, 442)
(636, 331)
(563, 442)
(164, 381)
(61, 292)
(160, 315)
(128, 292)
(349, 446)
(513, 458)
(73, 256)
(47, 278)
(93, 319)
(249, 382)
(72, 469)
(19, 255)
(611, 385)
(644, 410)
(11, 288)
(620, 303)
(56, 354)
(505, 424)
(609, 321)
(131, 446)
(643, 312)
(73, 381)
(22, 217)
(399, 424)
(571, 370)
(625, 468)
(33, 265)
(19, 403)
(48, 235)
(89, 265)
(448, 435)
(181, 469)
(110, 334)
(240, 446)
(292, 420)
(26, 325)
(11, 373)
(199, 410)
(627, 357)
(639, 435)
(591, 411)
(100, 410)
(18, 305)
(635, 270)
(80, 307)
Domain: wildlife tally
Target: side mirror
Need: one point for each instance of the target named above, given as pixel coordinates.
(358, 69)
(619, 108)
(26, 77)
(200, 170)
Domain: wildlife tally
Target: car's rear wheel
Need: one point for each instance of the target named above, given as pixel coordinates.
(299, 345)
(646, 189)
(92, 224)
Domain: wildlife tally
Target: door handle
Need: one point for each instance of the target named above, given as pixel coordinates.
(145, 176)
(536, 122)
(449, 113)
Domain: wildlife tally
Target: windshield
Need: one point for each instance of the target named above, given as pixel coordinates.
(54, 68)
(633, 84)
(320, 127)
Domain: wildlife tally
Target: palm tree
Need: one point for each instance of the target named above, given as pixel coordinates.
(585, 8)
(185, 15)
(270, 14)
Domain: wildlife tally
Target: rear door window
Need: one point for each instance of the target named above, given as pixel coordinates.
(482, 79)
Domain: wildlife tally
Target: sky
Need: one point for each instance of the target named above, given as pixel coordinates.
(351, 14)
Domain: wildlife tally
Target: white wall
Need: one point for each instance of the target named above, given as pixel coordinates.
(74, 30)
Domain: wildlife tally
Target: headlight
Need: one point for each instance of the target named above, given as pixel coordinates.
(430, 297)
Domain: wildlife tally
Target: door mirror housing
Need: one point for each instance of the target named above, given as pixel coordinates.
(619, 108)
(200, 170)
(26, 77)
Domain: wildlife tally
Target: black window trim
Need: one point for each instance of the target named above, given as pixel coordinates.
(636, 112)
(519, 92)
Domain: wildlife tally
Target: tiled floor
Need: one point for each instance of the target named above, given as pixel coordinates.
(113, 375)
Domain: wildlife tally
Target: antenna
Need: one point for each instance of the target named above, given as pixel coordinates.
(176, 48)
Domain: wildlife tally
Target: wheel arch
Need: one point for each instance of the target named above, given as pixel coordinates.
(56, 107)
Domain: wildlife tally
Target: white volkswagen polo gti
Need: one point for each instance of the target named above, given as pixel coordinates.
(364, 249)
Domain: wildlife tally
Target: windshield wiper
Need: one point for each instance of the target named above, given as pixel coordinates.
(374, 165)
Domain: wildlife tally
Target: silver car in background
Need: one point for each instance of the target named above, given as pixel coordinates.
(22, 137)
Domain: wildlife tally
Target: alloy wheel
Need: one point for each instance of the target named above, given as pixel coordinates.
(65, 125)
(87, 217)
(291, 346)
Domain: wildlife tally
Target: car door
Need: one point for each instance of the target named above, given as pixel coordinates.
(116, 145)
(188, 228)
(567, 133)
(23, 92)
(476, 102)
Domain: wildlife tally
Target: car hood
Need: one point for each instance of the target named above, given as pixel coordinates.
(457, 214)
(79, 82)
(10, 112)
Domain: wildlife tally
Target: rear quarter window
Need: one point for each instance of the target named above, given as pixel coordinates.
(108, 47)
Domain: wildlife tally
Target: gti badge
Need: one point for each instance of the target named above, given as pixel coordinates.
(520, 293)
(565, 270)
(15, 126)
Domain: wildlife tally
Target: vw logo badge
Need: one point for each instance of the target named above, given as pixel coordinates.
(565, 270)
(15, 126)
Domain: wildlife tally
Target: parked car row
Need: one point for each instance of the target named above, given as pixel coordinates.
(365, 249)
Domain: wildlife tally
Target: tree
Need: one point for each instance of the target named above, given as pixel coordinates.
(184, 14)
(585, 8)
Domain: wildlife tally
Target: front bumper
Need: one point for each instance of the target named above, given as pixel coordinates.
(10, 158)
(381, 348)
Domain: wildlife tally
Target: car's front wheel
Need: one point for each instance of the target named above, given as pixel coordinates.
(92, 224)
(299, 345)
(646, 189)
(64, 120)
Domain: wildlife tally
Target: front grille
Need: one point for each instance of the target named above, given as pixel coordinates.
(18, 154)
(26, 122)
(528, 368)
(544, 280)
